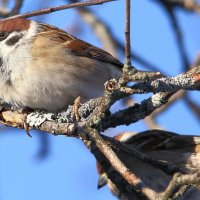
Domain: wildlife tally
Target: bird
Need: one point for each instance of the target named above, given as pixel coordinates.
(180, 150)
(43, 67)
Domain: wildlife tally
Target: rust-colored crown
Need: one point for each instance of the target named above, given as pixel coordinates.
(17, 24)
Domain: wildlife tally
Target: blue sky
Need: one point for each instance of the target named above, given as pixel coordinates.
(68, 172)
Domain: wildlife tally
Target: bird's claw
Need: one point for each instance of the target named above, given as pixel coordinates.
(75, 115)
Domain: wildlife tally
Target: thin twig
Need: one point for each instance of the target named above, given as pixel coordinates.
(109, 40)
(127, 35)
(62, 7)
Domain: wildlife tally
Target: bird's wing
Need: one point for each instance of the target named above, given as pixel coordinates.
(155, 140)
(79, 47)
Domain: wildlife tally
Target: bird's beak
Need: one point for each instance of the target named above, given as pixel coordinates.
(102, 181)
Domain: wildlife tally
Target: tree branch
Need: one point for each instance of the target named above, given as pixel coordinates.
(62, 7)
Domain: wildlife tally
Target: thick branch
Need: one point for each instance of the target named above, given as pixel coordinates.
(136, 112)
(168, 84)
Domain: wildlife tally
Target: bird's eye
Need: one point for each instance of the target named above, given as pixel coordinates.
(3, 35)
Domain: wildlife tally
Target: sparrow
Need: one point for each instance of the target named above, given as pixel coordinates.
(43, 67)
(181, 150)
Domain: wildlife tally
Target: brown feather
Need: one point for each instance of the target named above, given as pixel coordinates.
(163, 140)
(79, 47)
